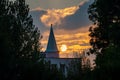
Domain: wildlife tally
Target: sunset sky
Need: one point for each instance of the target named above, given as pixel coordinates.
(69, 18)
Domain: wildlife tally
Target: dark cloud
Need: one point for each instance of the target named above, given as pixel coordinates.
(36, 19)
(71, 22)
(77, 20)
(50, 4)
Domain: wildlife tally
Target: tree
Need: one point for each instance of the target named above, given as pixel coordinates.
(106, 18)
(26, 36)
(19, 39)
(105, 38)
(74, 69)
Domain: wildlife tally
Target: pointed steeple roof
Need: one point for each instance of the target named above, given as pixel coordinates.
(51, 46)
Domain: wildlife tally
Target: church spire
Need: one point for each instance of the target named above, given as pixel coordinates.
(51, 46)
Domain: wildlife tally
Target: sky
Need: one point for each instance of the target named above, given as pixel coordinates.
(70, 22)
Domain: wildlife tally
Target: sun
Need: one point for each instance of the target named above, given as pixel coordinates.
(63, 48)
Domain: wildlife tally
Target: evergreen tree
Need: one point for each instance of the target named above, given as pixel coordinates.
(26, 36)
(19, 39)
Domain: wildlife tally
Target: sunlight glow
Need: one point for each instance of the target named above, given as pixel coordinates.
(63, 48)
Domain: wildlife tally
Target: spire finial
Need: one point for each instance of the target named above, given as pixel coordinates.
(51, 25)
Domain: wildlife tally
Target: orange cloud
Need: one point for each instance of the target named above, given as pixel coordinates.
(37, 9)
(84, 1)
(55, 16)
(77, 41)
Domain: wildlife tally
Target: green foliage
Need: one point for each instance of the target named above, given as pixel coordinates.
(20, 47)
(19, 36)
(108, 64)
(19, 39)
(74, 70)
(26, 38)
(110, 59)
(105, 38)
(77, 71)
(106, 17)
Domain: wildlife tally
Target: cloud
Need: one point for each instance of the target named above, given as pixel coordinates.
(67, 18)
(36, 14)
(38, 9)
(76, 41)
(72, 25)
(55, 16)
(79, 19)
(50, 4)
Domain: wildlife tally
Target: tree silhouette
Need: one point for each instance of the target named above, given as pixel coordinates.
(19, 39)
(26, 36)
(105, 38)
(106, 18)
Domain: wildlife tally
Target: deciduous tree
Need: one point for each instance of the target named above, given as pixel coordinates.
(105, 38)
